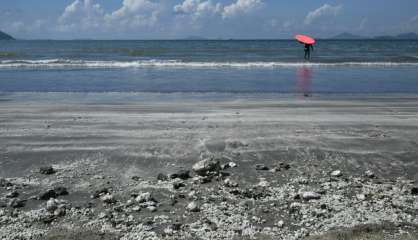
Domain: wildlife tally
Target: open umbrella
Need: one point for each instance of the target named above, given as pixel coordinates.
(305, 39)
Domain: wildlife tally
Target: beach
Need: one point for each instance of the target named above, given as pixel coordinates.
(320, 167)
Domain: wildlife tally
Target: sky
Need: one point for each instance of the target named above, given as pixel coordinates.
(173, 19)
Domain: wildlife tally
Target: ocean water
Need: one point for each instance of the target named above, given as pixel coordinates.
(208, 67)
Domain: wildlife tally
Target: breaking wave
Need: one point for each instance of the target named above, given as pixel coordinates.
(67, 63)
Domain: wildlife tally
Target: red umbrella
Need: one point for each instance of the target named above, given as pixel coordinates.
(305, 39)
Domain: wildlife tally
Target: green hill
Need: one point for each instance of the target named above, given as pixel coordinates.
(5, 36)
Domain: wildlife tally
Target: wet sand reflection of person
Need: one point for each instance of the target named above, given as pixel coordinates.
(304, 82)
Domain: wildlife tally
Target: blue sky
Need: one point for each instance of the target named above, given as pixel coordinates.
(167, 19)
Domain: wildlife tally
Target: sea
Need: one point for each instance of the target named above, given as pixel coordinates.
(213, 69)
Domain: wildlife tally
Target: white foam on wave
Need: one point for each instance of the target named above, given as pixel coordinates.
(67, 63)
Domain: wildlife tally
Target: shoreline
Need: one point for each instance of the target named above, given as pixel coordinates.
(124, 167)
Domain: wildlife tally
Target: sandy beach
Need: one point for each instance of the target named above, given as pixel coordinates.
(313, 168)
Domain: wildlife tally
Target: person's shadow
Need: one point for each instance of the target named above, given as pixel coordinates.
(304, 81)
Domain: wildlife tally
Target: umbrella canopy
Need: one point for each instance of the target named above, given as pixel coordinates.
(305, 39)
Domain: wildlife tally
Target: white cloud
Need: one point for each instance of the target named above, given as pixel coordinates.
(197, 7)
(414, 18)
(363, 24)
(81, 14)
(134, 14)
(70, 10)
(241, 6)
(325, 10)
(86, 15)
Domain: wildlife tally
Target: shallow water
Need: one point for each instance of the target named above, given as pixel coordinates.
(224, 67)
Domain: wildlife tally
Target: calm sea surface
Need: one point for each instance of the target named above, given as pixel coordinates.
(208, 67)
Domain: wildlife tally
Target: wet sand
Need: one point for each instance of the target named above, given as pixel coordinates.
(123, 148)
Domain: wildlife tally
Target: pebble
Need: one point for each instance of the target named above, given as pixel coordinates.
(261, 167)
(369, 174)
(108, 198)
(193, 207)
(47, 195)
(61, 191)
(177, 185)
(100, 192)
(205, 167)
(182, 174)
(143, 197)
(310, 196)
(263, 183)
(51, 205)
(16, 203)
(47, 170)
(13, 194)
(336, 173)
(152, 208)
(5, 183)
(232, 164)
(280, 223)
(228, 165)
(230, 183)
(414, 190)
(361, 197)
(162, 177)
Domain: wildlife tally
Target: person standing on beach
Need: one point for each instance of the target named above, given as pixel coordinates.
(308, 48)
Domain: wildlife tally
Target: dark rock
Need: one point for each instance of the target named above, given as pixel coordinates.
(228, 165)
(284, 166)
(369, 174)
(136, 178)
(414, 190)
(100, 192)
(47, 170)
(61, 191)
(13, 194)
(3, 203)
(261, 167)
(47, 195)
(205, 179)
(17, 203)
(254, 193)
(177, 185)
(182, 174)
(5, 183)
(162, 177)
(47, 218)
(206, 167)
(176, 226)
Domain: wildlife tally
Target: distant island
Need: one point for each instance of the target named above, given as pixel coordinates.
(194, 38)
(347, 36)
(403, 36)
(5, 36)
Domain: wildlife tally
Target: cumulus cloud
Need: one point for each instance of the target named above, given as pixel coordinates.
(324, 10)
(86, 15)
(198, 8)
(241, 6)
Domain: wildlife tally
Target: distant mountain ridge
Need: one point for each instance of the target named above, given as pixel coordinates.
(346, 35)
(194, 38)
(402, 36)
(5, 36)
